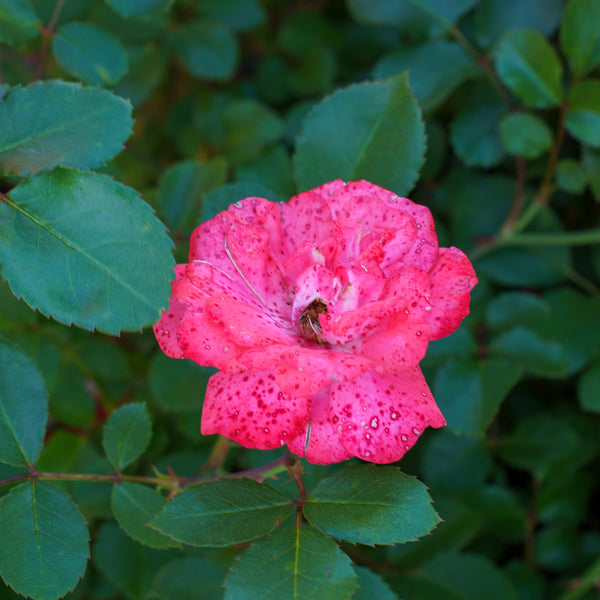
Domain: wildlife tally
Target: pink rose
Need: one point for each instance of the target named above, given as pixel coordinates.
(317, 313)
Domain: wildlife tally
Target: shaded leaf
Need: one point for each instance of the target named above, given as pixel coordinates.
(224, 512)
(48, 124)
(182, 579)
(469, 394)
(134, 506)
(534, 353)
(474, 135)
(436, 68)
(494, 17)
(126, 563)
(291, 564)
(371, 585)
(345, 507)
(524, 134)
(23, 408)
(208, 50)
(529, 66)
(588, 389)
(51, 536)
(178, 385)
(470, 577)
(89, 54)
(182, 187)
(239, 14)
(570, 176)
(580, 35)
(513, 308)
(126, 434)
(371, 130)
(86, 250)
(583, 115)
(18, 22)
(137, 8)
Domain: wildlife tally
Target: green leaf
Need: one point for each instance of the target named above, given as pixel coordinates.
(524, 134)
(371, 585)
(469, 576)
(474, 135)
(126, 563)
(588, 389)
(207, 50)
(147, 67)
(134, 506)
(182, 187)
(272, 168)
(182, 579)
(23, 408)
(54, 123)
(178, 385)
(368, 131)
(570, 176)
(138, 8)
(534, 353)
(126, 434)
(18, 22)
(242, 15)
(573, 321)
(386, 12)
(392, 508)
(224, 512)
(249, 126)
(540, 444)
(84, 249)
(580, 35)
(453, 463)
(89, 54)
(583, 115)
(469, 394)
(436, 68)
(495, 17)
(513, 308)
(44, 547)
(529, 66)
(292, 564)
(591, 166)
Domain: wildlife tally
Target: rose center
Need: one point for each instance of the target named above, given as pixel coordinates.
(309, 321)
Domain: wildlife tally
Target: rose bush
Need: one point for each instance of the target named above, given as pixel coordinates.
(317, 313)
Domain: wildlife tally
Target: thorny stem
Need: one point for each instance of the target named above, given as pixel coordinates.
(171, 481)
(47, 33)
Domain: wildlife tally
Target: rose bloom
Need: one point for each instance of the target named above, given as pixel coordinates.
(317, 313)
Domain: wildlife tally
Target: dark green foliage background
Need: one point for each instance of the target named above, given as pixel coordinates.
(236, 98)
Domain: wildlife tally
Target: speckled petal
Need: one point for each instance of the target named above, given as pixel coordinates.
(378, 416)
(207, 344)
(452, 278)
(323, 445)
(250, 409)
(304, 371)
(306, 218)
(247, 326)
(166, 329)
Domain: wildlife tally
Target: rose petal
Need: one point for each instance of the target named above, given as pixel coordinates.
(306, 218)
(250, 409)
(207, 344)
(304, 372)
(168, 325)
(319, 442)
(379, 416)
(452, 278)
(247, 326)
